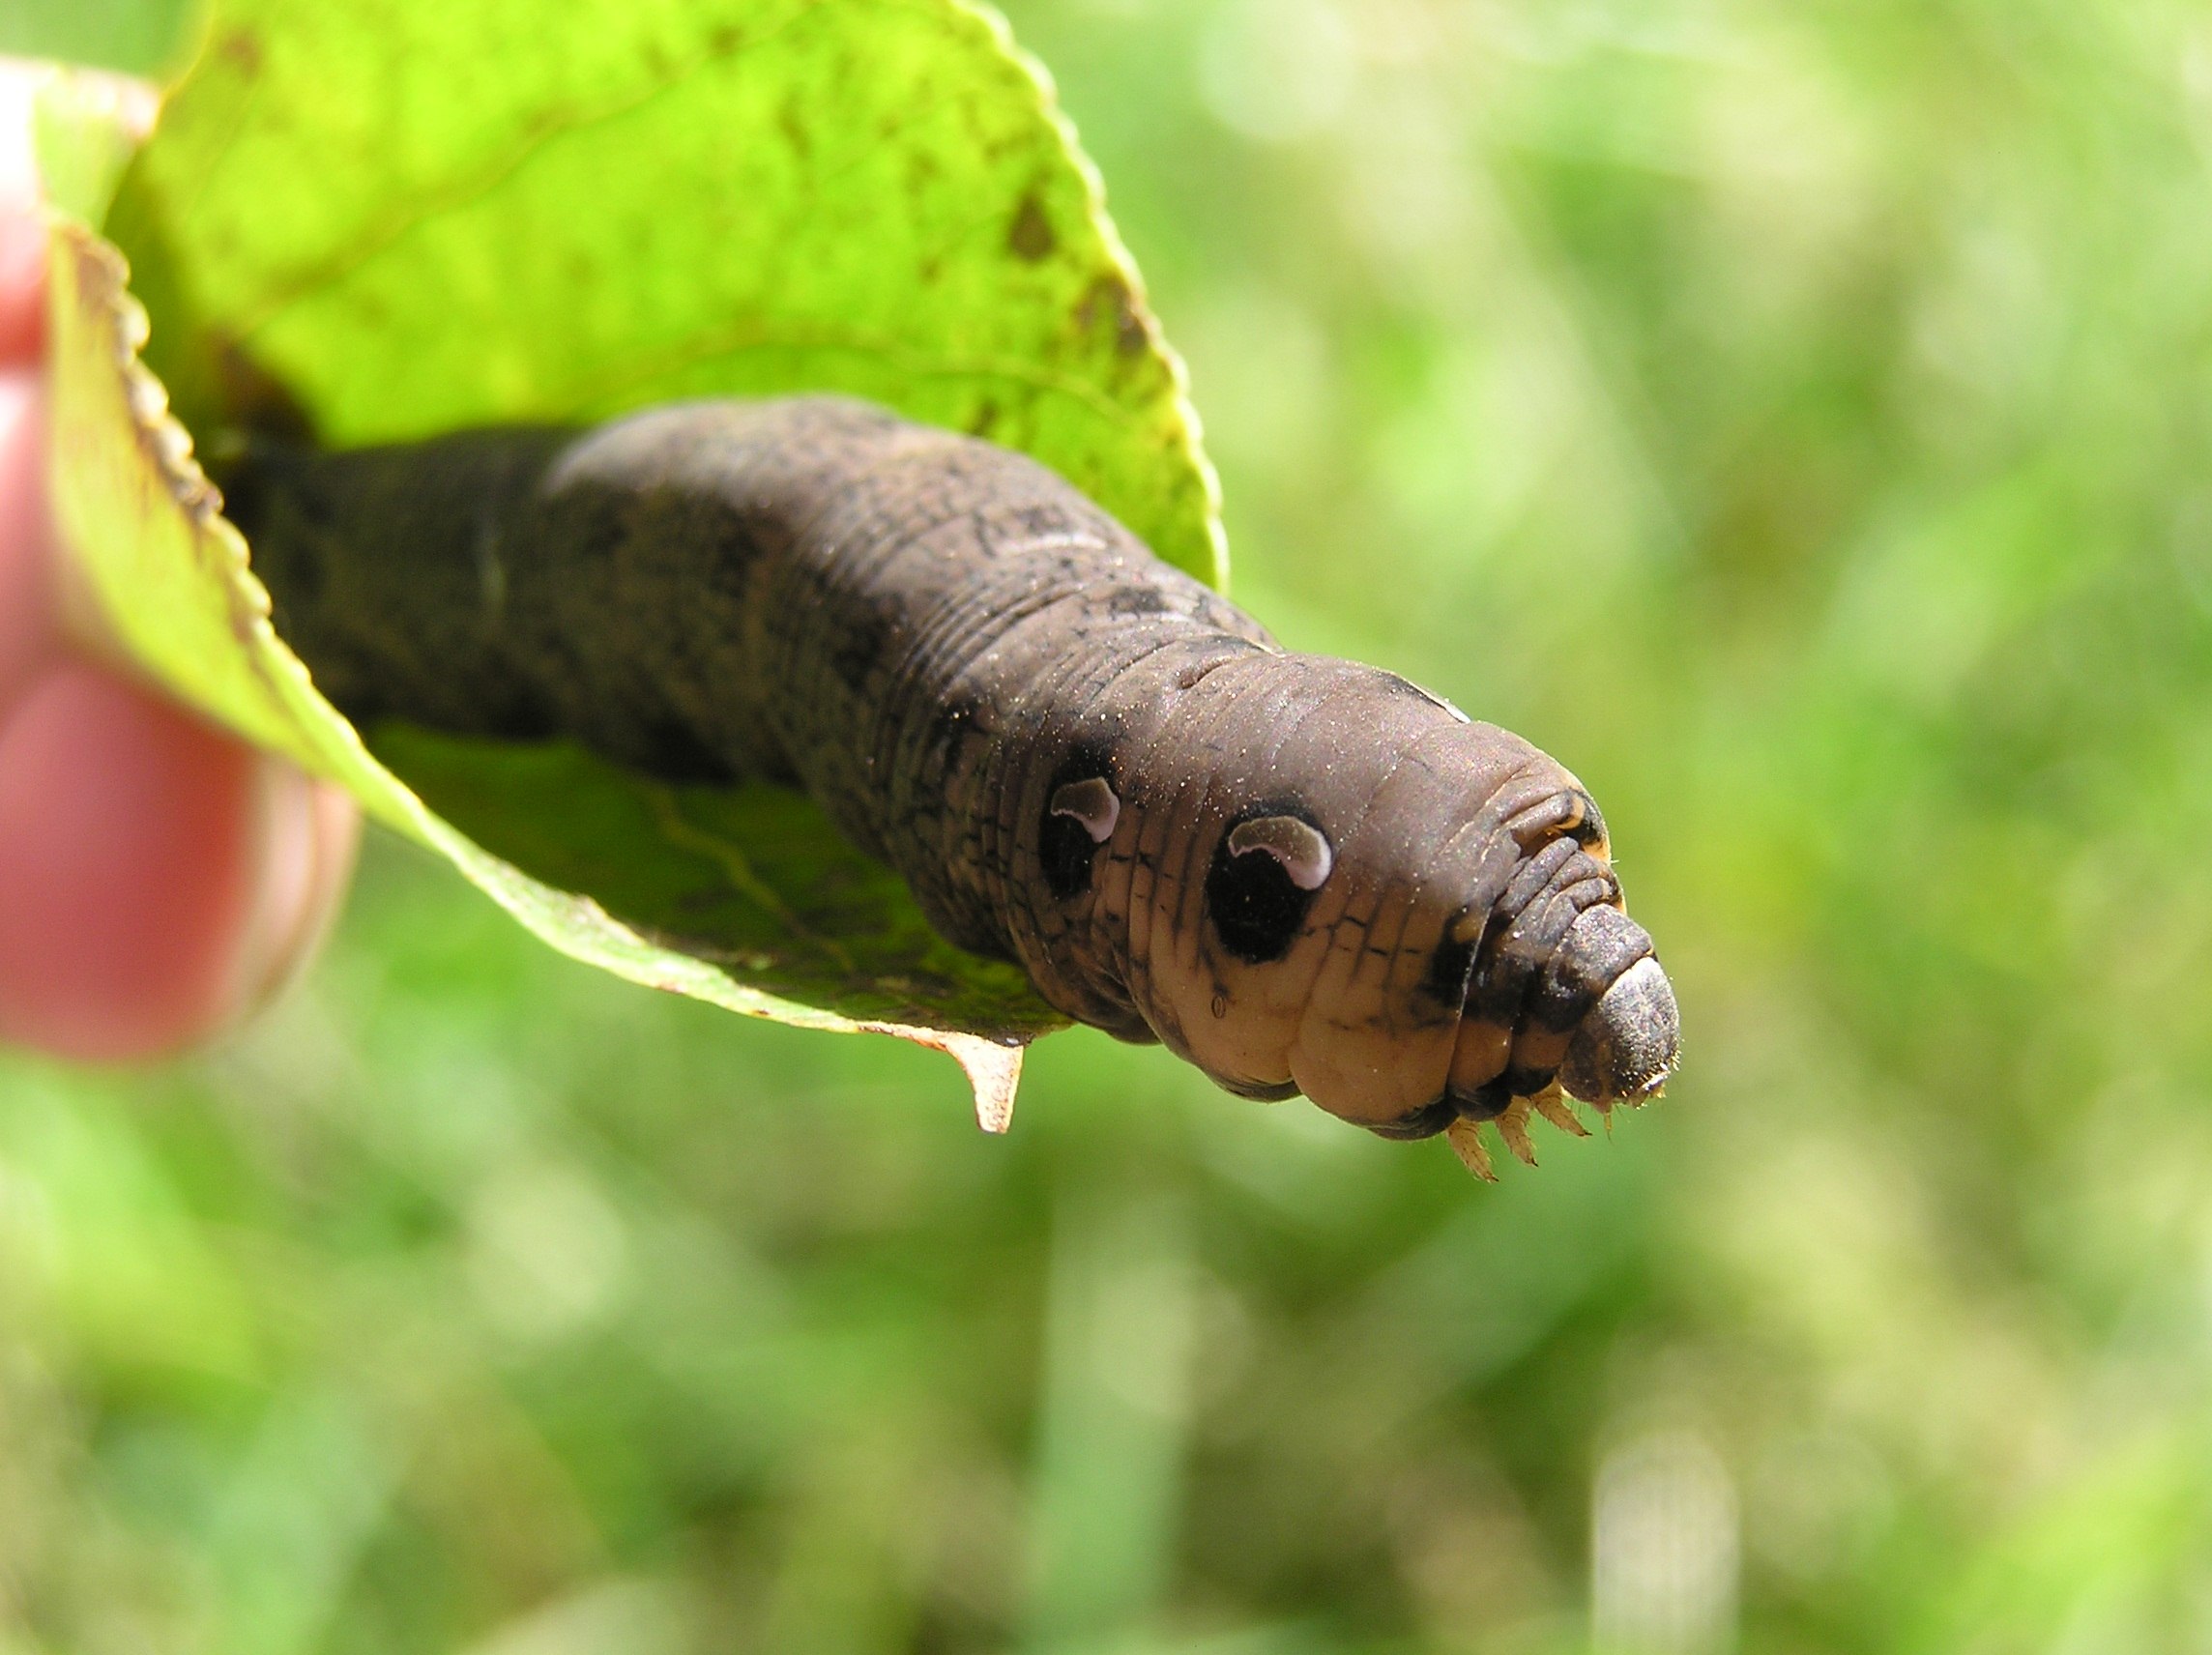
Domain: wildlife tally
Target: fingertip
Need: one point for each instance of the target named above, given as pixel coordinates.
(157, 877)
(22, 283)
(22, 220)
(308, 832)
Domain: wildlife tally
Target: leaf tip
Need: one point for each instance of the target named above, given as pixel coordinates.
(992, 1063)
(993, 1072)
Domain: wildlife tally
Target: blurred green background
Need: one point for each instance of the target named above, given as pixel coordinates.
(1797, 418)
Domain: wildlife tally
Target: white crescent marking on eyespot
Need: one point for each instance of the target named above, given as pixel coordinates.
(1298, 845)
(1093, 804)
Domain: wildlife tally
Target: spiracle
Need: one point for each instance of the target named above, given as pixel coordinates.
(1300, 874)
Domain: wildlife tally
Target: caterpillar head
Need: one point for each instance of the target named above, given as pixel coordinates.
(1309, 875)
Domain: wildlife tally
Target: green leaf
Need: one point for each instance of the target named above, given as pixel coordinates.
(417, 214)
(749, 876)
(139, 37)
(84, 129)
(420, 215)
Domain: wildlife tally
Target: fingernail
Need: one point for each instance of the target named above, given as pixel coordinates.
(308, 832)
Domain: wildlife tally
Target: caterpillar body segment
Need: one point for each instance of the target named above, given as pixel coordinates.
(1300, 873)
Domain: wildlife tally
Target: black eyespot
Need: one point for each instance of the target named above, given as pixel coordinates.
(1256, 909)
(1066, 848)
(1067, 845)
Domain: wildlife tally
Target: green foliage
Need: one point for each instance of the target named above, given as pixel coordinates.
(423, 216)
(405, 218)
(1793, 417)
(749, 876)
(137, 37)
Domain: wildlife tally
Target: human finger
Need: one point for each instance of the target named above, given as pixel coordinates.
(157, 878)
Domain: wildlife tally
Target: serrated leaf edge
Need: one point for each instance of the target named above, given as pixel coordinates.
(83, 266)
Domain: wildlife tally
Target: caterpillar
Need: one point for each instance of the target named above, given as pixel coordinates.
(1300, 874)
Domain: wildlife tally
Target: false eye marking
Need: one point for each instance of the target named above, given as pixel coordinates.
(1080, 816)
(1262, 882)
(1299, 846)
(1091, 804)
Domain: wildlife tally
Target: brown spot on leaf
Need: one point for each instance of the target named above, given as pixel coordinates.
(793, 125)
(242, 47)
(1109, 302)
(1030, 237)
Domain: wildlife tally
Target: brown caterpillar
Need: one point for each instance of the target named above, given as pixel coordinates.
(1300, 874)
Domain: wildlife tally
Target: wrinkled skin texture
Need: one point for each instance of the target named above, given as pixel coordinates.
(1302, 874)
